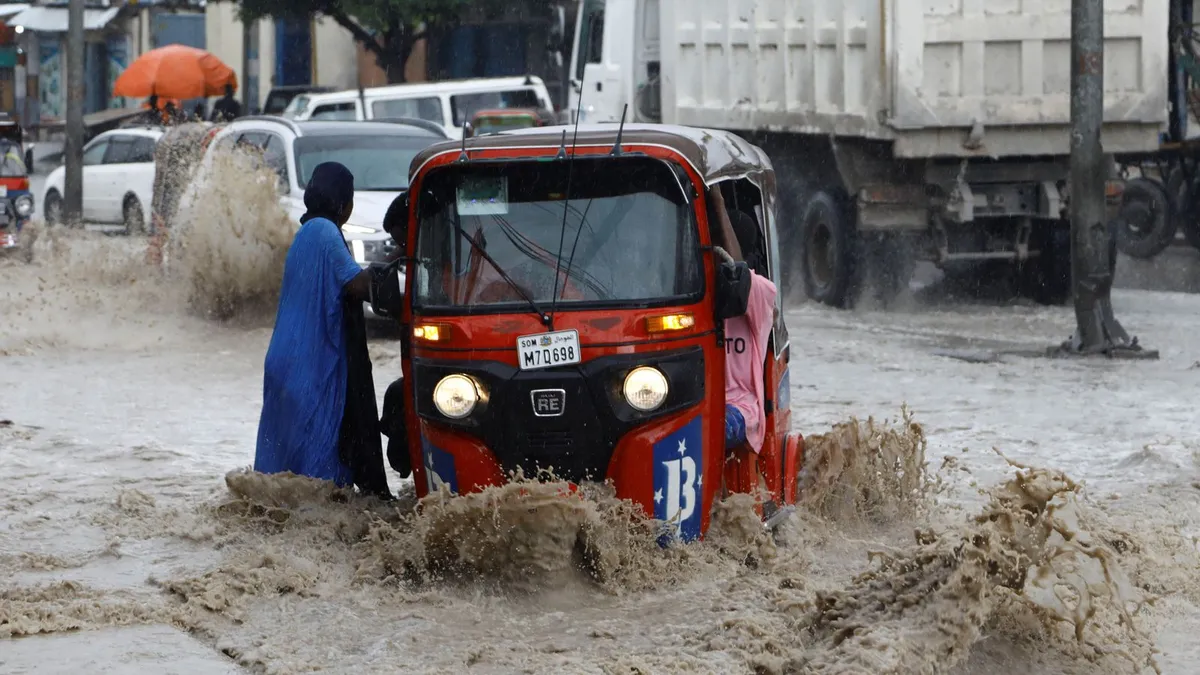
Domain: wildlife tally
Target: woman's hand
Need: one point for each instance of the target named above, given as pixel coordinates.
(359, 287)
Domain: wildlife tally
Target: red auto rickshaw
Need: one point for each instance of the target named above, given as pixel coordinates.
(561, 311)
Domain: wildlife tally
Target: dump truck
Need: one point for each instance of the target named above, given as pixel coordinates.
(900, 131)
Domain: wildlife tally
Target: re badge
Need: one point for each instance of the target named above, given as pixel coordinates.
(548, 402)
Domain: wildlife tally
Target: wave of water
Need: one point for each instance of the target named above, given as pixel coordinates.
(1037, 564)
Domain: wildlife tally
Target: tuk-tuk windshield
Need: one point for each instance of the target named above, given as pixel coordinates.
(628, 235)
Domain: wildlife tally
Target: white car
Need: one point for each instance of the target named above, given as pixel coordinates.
(377, 153)
(449, 103)
(118, 180)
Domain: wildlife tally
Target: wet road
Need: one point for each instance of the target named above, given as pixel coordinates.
(127, 417)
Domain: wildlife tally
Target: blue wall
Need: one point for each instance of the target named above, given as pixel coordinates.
(178, 29)
(293, 52)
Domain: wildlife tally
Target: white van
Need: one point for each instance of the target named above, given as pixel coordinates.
(449, 103)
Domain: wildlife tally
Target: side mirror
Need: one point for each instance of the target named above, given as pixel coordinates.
(387, 290)
(731, 295)
(468, 130)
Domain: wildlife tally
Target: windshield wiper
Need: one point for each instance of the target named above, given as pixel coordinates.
(542, 316)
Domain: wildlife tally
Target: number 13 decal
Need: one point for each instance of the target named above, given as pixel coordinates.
(679, 480)
(681, 489)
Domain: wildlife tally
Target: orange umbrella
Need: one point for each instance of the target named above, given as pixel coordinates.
(175, 71)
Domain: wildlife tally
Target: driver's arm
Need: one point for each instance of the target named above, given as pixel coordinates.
(359, 288)
(724, 230)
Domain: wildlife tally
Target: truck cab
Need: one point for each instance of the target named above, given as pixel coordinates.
(615, 61)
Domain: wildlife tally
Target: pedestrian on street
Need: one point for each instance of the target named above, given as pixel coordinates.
(319, 416)
(227, 108)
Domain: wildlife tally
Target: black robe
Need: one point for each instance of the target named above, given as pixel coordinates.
(360, 447)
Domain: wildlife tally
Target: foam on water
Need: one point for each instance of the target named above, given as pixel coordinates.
(1038, 565)
(224, 248)
(228, 242)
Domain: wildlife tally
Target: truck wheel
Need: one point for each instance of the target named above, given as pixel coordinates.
(1146, 223)
(829, 252)
(1185, 196)
(1047, 278)
(889, 259)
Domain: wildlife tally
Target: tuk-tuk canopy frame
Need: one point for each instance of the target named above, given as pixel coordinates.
(714, 155)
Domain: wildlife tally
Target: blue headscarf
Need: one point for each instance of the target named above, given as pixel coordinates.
(329, 190)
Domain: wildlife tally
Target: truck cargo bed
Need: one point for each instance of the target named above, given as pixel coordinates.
(939, 77)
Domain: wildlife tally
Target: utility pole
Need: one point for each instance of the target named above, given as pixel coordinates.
(1093, 251)
(73, 152)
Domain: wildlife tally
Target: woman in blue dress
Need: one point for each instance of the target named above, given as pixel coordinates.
(319, 416)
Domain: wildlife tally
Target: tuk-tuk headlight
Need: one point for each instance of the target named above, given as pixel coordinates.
(23, 205)
(456, 396)
(645, 388)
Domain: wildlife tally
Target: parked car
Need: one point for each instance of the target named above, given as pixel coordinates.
(280, 97)
(450, 103)
(118, 180)
(377, 153)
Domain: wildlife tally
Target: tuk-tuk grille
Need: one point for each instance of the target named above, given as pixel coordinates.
(549, 440)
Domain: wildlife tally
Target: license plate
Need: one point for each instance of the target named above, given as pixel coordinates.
(3, 191)
(546, 350)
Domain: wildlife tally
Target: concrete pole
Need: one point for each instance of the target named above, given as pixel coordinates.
(1092, 244)
(73, 152)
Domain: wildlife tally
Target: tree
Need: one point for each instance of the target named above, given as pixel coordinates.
(387, 28)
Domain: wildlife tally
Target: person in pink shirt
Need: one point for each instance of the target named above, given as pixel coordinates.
(746, 336)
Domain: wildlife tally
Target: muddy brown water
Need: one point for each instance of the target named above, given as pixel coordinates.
(132, 539)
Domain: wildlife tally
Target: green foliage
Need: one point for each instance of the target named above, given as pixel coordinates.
(387, 28)
(374, 16)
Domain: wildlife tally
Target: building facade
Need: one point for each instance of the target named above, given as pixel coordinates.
(115, 33)
(273, 52)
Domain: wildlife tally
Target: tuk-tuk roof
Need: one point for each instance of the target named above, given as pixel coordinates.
(715, 155)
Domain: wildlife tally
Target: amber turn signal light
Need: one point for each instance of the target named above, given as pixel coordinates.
(431, 332)
(670, 322)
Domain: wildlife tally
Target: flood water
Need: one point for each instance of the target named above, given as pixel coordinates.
(131, 540)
